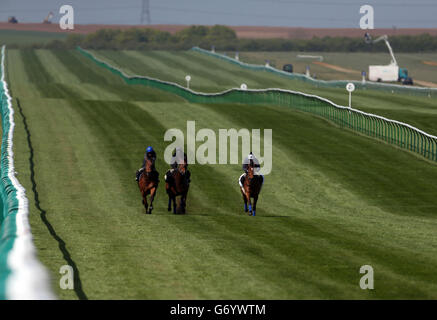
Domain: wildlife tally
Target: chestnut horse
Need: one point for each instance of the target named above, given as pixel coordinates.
(177, 185)
(148, 184)
(251, 189)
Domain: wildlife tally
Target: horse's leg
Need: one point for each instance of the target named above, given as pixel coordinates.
(250, 203)
(152, 196)
(180, 205)
(255, 199)
(169, 203)
(185, 197)
(244, 199)
(183, 203)
(145, 201)
(174, 204)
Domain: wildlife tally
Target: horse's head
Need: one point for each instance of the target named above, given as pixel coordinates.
(182, 168)
(149, 165)
(250, 169)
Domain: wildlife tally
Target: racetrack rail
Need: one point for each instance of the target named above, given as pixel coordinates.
(391, 131)
(22, 276)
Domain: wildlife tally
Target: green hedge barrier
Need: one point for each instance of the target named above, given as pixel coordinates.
(391, 131)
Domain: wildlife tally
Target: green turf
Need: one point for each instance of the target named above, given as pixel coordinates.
(207, 74)
(334, 201)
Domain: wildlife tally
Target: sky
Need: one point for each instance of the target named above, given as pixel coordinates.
(289, 13)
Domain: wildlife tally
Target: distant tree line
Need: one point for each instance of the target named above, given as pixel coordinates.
(225, 39)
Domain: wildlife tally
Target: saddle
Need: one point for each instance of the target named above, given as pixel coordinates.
(256, 177)
(170, 173)
(153, 175)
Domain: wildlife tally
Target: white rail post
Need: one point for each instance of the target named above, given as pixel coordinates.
(307, 73)
(188, 78)
(350, 87)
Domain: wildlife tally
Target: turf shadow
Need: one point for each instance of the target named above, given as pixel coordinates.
(43, 214)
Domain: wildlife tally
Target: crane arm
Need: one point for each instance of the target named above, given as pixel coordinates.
(385, 38)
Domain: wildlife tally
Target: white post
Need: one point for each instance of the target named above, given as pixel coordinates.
(237, 56)
(188, 78)
(350, 87)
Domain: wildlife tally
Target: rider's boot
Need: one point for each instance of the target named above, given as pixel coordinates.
(138, 173)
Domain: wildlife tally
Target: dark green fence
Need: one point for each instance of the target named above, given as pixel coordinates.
(391, 131)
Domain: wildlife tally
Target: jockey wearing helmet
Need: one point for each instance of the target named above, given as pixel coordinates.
(250, 158)
(178, 157)
(150, 154)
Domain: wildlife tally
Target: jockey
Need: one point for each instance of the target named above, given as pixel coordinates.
(175, 160)
(150, 154)
(256, 166)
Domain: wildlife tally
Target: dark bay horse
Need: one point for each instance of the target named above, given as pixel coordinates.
(251, 189)
(177, 185)
(148, 184)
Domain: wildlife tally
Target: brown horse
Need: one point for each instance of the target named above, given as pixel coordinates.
(251, 188)
(148, 184)
(177, 185)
